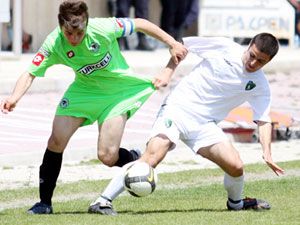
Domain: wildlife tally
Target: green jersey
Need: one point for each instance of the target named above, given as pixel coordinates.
(102, 76)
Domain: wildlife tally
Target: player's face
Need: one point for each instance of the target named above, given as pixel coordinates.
(74, 36)
(254, 59)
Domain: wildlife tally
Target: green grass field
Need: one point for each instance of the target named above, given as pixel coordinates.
(189, 197)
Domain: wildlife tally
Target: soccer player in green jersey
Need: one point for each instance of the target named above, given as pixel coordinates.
(104, 90)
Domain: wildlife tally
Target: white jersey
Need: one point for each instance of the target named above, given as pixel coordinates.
(218, 84)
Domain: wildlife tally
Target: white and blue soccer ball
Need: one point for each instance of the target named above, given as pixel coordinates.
(140, 179)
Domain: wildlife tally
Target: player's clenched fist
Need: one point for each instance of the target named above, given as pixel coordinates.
(7, 105)
(178, 52)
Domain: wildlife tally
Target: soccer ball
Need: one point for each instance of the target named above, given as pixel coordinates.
(140, 179)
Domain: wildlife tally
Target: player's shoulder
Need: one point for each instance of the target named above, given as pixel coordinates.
(217, 42)
(100, 22)
(103, 27)
(260, 77)
(54, 34)
(53, 38)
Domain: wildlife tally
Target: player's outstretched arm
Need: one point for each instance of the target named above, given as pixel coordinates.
(265, 136)
(178, 51)
(163, 78)
(22, 85)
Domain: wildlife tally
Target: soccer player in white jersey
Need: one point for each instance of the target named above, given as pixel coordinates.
(227, 76)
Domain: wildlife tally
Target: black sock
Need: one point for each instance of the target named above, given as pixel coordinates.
(125, 157)
(49, 171)
(234, 202)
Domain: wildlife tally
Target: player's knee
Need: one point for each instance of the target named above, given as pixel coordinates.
(237, 169)
(56, 144)
(156, 150)
(160, 142)
(108, 158)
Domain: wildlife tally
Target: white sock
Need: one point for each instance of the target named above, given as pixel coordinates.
(114, 188)
(234, 187)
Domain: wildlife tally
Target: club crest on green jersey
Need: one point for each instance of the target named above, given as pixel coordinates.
(94, 47)
(250, 85)
(64, 103)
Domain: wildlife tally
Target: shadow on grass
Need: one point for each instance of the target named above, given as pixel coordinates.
(147, 212)
(71, 213)
(144, 212)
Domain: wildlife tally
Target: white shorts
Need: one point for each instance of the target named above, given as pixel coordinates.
(194, 135)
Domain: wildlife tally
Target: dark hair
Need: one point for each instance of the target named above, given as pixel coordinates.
(73, 13)
(266, 43)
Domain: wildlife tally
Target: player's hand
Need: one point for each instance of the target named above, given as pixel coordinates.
(160, 81)
(178, 52)
(278, 170)
(7, 105)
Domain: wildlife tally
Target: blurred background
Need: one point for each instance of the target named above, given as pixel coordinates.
(24, 24)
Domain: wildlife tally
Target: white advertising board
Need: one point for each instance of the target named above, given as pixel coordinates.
(244, 19)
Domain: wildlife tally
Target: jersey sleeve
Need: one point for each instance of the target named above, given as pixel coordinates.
(261, 111)
(202, 45)
(261, 104)
(113, 27)
(124, 27)
(43, 59)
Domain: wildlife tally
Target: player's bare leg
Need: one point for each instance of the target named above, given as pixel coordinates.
(62, 130)
(103, 205)
(227, 157)
(109, 139)
(156, 150)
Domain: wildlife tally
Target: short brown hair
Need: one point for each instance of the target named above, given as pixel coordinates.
(266, 43)
(73, 13)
